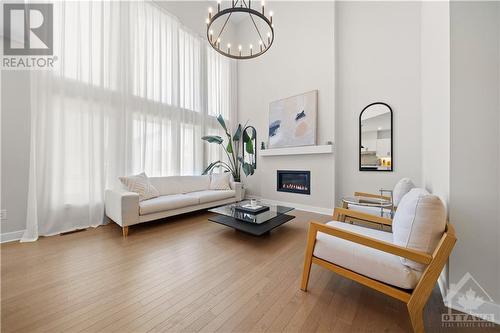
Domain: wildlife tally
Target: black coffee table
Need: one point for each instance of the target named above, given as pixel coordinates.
(254, 224)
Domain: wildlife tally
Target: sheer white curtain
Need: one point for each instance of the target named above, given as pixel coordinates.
(134, 91)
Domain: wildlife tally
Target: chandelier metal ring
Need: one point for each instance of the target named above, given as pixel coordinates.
(215, 42)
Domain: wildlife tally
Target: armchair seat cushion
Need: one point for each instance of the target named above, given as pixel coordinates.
(376, 264)
(211, 195)
(166, 202)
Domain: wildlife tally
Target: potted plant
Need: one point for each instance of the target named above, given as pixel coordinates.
(240, 150)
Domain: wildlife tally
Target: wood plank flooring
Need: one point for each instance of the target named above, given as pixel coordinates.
(186, 274)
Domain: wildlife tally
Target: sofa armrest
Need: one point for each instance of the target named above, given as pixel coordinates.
(122, 206)
(238, 188)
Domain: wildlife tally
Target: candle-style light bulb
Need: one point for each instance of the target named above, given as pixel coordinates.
(218, 43)
(218, 5)
(239, 49)
(251, 49)
(271, 16)
(263, 6)
(268, 38)
(207, 21)
(211, 35)
(260, 44)
(210, 10)
(228, 47)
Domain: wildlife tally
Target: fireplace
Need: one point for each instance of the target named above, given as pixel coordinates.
(294, 181)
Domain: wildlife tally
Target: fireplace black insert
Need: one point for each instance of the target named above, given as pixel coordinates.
(294, 181)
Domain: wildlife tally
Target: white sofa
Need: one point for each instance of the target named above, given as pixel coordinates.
(178, 195)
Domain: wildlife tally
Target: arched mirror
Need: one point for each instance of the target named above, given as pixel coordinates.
(375, 138)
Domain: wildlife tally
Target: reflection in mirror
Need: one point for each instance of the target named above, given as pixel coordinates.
(375, 138)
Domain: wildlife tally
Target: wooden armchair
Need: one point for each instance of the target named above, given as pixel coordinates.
(400, 189)
(416, 297)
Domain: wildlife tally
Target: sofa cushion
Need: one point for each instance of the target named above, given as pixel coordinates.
(220, 181)
(402, 187)
(212, 195)
(180, 184)
(141, 185)
(376, 264)
(419, 223)
(166, 202)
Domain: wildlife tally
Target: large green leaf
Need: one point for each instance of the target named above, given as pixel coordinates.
(213, 139)
(249, 147)
(229, 147)
(248, 142)
(221, 121)
(216, 164)
(248, 169)
(237, 135)
(246, 137)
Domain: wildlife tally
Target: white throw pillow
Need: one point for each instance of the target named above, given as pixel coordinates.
(419, 223)
(220, 181)
(141, 185)
(402, 187)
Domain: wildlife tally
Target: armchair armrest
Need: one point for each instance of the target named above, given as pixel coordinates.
(122, 206)
(370, 195)
(339, 214)
(404, 252)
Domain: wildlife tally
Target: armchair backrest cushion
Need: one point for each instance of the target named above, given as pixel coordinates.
(180, 184)
(402, 187)
(419, 223)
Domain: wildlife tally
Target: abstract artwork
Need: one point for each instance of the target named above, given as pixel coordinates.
(292, 121)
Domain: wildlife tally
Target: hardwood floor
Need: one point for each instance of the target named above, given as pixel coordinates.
(187, 274)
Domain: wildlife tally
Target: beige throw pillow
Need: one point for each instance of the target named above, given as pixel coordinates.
(220, 181)
(141, 185)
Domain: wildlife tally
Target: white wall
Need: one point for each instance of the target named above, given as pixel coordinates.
(378, 59)
(435, 99)
(475, 143)
(15, 127)
(300, 60)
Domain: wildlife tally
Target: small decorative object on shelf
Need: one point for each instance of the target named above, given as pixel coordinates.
(262, 145)
(329, 143)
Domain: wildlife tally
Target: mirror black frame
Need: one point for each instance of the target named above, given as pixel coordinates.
(392, 136)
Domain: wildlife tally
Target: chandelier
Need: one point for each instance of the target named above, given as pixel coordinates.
(264, 38)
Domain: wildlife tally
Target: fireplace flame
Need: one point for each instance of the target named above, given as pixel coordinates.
(294, 187)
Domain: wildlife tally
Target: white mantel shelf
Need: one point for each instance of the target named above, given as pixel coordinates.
(304, 150)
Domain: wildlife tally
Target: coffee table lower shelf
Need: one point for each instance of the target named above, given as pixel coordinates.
(252, 228)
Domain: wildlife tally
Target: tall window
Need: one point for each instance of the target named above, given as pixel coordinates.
(133, 91)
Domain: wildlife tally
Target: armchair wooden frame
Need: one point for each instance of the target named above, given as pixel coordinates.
(415, 299)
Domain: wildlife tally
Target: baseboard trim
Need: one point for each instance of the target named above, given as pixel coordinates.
(312, 209)
(11, 236)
